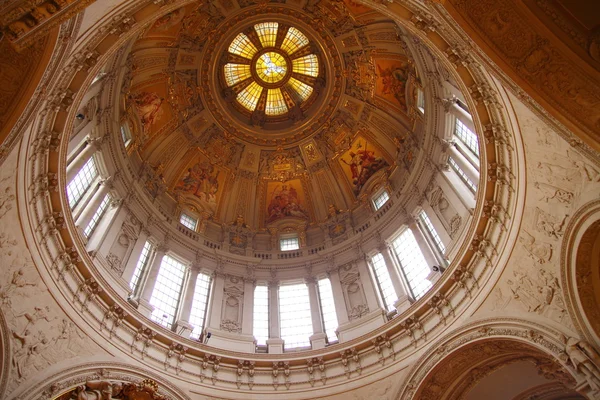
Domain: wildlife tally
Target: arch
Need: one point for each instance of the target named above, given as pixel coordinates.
(457, 363)
(66, 377)
(70, 274)
(580, 258)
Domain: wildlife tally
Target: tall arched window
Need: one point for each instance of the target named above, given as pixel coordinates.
(295, 316)
(199, 304)
(167, 291)
(81, 182)
(412, 263)
(261, 315)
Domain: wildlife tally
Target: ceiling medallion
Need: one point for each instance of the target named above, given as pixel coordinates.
(274, 83)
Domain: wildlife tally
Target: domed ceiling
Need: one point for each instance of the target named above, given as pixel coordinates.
(271, 114)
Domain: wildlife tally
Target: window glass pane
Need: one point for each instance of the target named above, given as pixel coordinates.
(199, 303)
(303, 90)
(125, 135)
(462, 175)
(467, 137)
(235, 73)
(381, 200)
(328, 309)
(141, 265)
(413, 263)
(167, 290)
(267, 33)
(97, 216)
(384, 281)
(261, 314)
(431, 229)
(271, 67)
(289, 244)
(294, 40)
(250, 95)
(294, 315)
(188, 222)
(307, 65)
(275, 103)
(81, 182)
(242, 46)
(421, 100)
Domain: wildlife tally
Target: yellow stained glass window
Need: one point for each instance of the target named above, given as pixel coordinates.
(294, 40)
(271, 67)
(275, 103)
(249, 96)
(301, 88)
(307, 65)
(242, 46)
(267, 33)
(235, 73)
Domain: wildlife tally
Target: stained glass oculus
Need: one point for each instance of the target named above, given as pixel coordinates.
(276, 69)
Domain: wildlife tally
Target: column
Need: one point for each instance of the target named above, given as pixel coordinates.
(451, 106)
(274, 343)
(248, 313)
(92, 206)
(338, 296)
(427, 251)
(134, 256)
(79, 161)
(150, 281)
(318, 338)
(216, 308)
(403, 302)
(466, 166)
(367, 283)
(184, 328)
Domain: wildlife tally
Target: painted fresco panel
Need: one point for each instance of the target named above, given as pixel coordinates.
(391, 82)
(203, 181)
(360, 162)
(285, 200)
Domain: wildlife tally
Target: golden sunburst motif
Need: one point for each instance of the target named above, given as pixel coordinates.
(273, 71)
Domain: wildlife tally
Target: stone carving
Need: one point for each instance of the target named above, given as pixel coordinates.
(585, 359)
(549, 224)
(445, 211)
(539, 251)
(354, 295)
(231, 314)
(551, 193)
(540, 295)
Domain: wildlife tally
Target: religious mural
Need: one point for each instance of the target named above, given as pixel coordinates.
(204, 181)
(285, 200)
(168, 24)
(356, 8)
(149, 106)
(360, 162)
(391, 82)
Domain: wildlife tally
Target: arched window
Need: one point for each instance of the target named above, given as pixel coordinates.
(295, 315)
(380, 199)
(412, 263)
(141, 267)
(81, 183)
(330, 320)
(188, 221)
(167, 291)
(437, 241)
(261, 315)
(199, 304)
(384, 282)
(97, 216)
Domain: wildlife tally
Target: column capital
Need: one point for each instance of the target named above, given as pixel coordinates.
(273, 284)
(310, 280)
